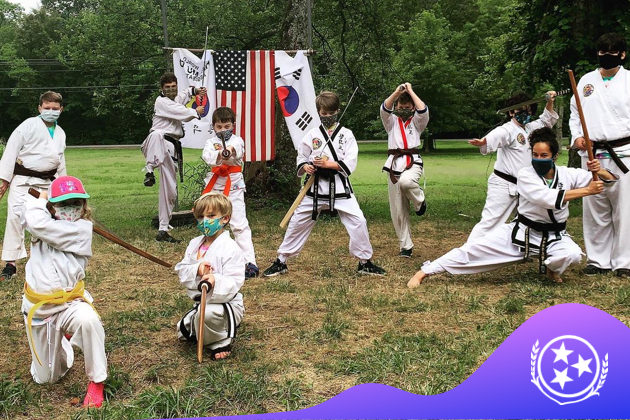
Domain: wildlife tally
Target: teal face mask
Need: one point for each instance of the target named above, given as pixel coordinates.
(209, 227)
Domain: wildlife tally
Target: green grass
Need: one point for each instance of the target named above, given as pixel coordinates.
(306, 336)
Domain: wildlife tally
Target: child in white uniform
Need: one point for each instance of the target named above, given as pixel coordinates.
(58, 311)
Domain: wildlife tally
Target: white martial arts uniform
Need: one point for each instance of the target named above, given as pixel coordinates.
(224, 304)
(160, 153)
(31, 145)
(511, 142)
(59, 257)
(238, 221)
(407, 170)
(606, 216)
(539, 202)
(344, 147)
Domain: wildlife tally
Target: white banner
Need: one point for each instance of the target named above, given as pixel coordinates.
(296, 93)
(189, 72)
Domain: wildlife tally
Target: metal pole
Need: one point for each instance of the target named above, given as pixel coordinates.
(309, 31)
(169, 64)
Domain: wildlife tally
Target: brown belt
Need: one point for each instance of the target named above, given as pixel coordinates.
(397, 153)
(21, 170)
(608, 146)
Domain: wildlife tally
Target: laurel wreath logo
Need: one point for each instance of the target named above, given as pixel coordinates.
(594, 390)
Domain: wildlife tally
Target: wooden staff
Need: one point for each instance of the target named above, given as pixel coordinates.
(299, 199)
(204, 286)
(578, 103)
(110, 236)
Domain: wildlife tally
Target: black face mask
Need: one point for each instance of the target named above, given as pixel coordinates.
(328, 121)
(404, 113)
(542, 166)
(608, 61)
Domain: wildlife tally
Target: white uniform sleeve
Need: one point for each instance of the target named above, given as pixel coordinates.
(74, 237)
(61, 169)
(386, 117)
(304, 153)
(229, 282)
(173, 110)
(580, 178)
(533, 189)
(574, 122)
(184, 96)
(187, 268)
(349, 162)
(209, 155)
(546, 119)
(421, 119)
(499, 137)
(11, 151)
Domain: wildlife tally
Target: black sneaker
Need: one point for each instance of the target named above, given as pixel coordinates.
(624, 273)
(423, 208)
(149, 179)
(405, 253)
(8, 271)
(163, 236)
(369, 268)
(278, 267)
(251, 271)
(592, 270)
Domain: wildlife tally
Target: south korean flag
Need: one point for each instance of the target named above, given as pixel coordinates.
(296, 94)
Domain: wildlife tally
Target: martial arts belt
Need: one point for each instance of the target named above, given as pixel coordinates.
(397, 153)
(608, 146)
(543, 228)
(179, 152)
(507, 177)
(57, 298)
(19, 169)
(222, 171)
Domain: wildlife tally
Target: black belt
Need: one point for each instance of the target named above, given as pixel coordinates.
(503, 175)
(397, 153)
(544, 228)
(179, 155)
(21, 170)
(609, 147)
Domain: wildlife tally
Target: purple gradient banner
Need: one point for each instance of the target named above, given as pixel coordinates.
(567, 361)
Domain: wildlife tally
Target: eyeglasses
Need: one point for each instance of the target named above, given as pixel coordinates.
(608, 52)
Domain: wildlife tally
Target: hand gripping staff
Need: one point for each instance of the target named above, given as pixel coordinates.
(311, 180)
(110, 236)
(204, 287)
(578, 103)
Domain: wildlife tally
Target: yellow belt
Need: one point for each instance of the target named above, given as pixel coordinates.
(57, 298)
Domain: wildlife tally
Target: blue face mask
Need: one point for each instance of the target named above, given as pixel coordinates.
(209, 227)
(542, 166)
(523, 118)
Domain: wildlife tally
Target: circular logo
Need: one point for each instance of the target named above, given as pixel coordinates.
(218, 146)
(317, 143)
(588, 90)
(520, 138)
(568, 367)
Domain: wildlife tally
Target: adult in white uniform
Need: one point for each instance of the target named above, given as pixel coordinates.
(329, 153)
(162, 147)
(605, 98)
(510, 142)
(33, 157)
(540, 229)
(404, 126)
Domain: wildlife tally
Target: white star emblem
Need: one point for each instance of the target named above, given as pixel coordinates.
(561, 354)
(561, 378)
(582, 366)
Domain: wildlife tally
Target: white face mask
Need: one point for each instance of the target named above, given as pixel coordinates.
(68, 213)
(50, 115)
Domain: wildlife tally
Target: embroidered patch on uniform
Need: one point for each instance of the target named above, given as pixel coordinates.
(217, 146)
(520, 138)
(317, 143)
(588, 90)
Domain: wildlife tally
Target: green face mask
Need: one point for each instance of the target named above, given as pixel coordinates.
(405, 114)
(209, 227)
(170, 92)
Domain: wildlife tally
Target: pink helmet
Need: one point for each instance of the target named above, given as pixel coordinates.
(65, 188)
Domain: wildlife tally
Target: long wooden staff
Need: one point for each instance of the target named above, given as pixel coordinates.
(110, 236)
(299, 198)
(578, 103)
(204, 287)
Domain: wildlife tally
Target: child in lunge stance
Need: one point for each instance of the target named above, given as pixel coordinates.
(545, 191)
(58, 311)
(217, 259)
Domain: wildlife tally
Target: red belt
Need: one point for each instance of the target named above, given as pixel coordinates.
(222, 171)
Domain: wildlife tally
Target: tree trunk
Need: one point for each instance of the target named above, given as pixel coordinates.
(276, 179)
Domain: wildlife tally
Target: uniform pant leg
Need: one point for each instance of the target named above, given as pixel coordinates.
(490, 252)
(399, 210)
(240, 226)
(83, 323)
(563, 253)
(221, 320)
(13, 245)
(409, 184)
(53, 349)
(352, 218)
(168, 192)
(500, 204)
(619, 195)
(598, 227)
(300, 226)
(155, 150)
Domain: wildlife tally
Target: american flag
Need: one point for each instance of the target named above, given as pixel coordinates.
(245, 82)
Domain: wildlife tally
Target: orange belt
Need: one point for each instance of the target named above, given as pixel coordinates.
(222, 171)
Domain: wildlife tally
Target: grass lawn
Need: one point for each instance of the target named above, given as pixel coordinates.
(307, 335)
